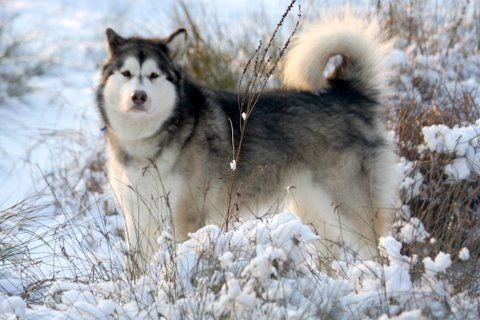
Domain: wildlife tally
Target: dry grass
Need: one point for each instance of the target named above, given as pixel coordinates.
(211, 52)
(449, 209)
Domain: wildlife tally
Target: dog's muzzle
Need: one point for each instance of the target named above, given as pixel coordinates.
(139, 98)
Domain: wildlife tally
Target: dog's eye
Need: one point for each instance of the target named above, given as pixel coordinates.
(153, 75)
(126, 74)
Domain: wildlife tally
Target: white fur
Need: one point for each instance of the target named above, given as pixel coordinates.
(142, 190)
(313, 47)
(161, 99)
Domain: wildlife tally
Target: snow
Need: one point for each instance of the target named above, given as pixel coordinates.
(412, 179)
(462, 143)
(413, 231)
(233, 165)
(464, 254)
(457, 140)
(266, 269)
(397, 58)
(13, 307)
(458, 169)
(440, 264)
(397, 278)
(407, 315)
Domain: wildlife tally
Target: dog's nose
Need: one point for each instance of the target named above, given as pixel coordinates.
(139, 97)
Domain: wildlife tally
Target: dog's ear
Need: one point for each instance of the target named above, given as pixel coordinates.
(113, 40)
(176, 44)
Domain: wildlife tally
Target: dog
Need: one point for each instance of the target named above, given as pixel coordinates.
(169, 140)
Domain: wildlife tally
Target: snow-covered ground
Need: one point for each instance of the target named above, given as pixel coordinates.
(61, 247)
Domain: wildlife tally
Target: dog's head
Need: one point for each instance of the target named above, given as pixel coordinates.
(138, 89)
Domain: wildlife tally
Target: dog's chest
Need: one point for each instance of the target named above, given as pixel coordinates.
(155, 185)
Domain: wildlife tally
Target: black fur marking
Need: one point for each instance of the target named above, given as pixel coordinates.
(124, 157)
(141, 57)
(100, 104)
(114, 41)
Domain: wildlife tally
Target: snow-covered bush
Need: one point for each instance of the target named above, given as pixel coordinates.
(265, 269)
(434, 109)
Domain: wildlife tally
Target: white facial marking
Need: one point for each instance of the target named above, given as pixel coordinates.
(133, 121)
(149, 67)
(131, 64)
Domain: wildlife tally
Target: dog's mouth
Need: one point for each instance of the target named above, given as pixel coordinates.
(138, 109)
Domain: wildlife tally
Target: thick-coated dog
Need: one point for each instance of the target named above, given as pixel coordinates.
(169, 139)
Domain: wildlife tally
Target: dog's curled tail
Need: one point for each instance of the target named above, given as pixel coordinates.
(362, 50)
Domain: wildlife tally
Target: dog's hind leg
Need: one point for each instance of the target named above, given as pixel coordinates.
(366, 200)
(314, 206)
(355, 217)
(384, 183)
(338, 209)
